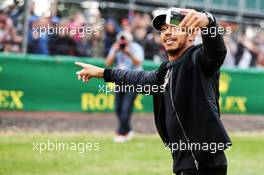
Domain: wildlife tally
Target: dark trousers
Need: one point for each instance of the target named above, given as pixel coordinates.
(123, 107)
(222, 170)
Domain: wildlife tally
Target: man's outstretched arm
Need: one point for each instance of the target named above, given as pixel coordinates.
(130, 77)
(122, 76)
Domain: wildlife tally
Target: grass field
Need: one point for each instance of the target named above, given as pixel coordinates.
(142, 156)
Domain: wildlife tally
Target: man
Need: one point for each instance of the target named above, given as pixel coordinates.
(187, 112)
(127, 55)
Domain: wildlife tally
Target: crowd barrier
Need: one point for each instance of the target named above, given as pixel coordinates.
(49, 83)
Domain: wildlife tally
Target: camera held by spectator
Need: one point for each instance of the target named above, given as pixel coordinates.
(122, 43)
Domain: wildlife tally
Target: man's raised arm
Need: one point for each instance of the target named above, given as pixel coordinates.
(213, 51)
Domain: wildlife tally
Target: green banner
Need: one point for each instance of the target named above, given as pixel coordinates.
(44, 83)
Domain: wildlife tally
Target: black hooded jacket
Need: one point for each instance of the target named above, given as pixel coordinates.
(194, 88)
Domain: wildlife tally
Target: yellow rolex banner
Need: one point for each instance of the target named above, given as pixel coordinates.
(49, 83)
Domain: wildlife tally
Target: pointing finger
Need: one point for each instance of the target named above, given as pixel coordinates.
(80, 64)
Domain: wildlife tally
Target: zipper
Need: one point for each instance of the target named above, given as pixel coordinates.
(178, 119)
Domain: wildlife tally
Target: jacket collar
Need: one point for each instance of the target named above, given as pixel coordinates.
(182, 57)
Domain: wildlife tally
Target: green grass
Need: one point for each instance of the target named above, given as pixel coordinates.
(142, 156)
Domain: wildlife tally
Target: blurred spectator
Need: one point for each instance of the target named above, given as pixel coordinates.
(246, 54)
(111, 31)
(261, 58)
(61, 43)
(10, 41)
(14, 11)
(96, 42)
(38, 44)
(231, 50)
(77, 21)
(260, 43)
(242, 51)
(125, 25)
(154, 49)
(140, 35)
(127, 55)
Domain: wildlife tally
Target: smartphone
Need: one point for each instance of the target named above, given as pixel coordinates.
(174, 17)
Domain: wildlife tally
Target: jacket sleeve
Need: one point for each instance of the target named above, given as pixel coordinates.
(125, 77)
(136, 77)
(213, 51)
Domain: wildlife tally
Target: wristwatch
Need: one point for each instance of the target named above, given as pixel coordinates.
(211, 18)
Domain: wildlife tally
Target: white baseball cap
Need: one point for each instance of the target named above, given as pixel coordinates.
(159, 20)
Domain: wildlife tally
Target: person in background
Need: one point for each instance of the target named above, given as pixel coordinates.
(125, 25)
(15, 12)
(62, 43)
(111, 30)
(78, 21)
(127, 55)
(96, 43)
(153, 48)
(246, 53)
(140, 35)
(260, 42)
(38, 44)
(10, 41)
(231, 50)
